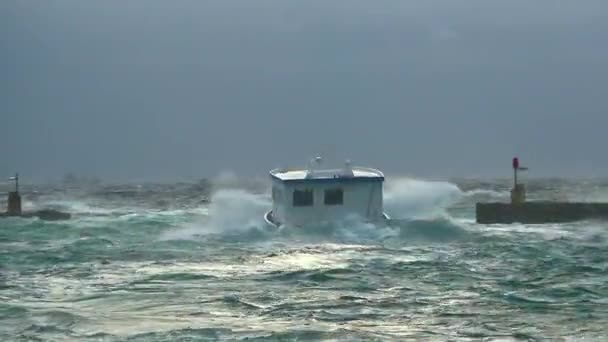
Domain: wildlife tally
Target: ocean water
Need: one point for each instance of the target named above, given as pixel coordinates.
(189, 262)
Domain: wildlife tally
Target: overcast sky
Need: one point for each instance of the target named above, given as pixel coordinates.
(162, 90)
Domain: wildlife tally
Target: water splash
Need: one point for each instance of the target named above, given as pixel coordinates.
(238, 211)
(349, 230)
(408, 198)
(230, 211)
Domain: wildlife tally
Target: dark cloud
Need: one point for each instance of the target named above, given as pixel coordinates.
(169, 90)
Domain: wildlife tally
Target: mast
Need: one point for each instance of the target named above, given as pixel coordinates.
(515, 168)
(518, 193)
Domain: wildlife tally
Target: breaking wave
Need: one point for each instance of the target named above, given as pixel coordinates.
(407, 198)
(417, 207)
(213, 271)
(230, 211)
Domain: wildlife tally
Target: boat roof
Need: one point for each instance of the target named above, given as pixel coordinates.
(357, 174)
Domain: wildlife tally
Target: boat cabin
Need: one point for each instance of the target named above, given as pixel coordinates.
(310, 195)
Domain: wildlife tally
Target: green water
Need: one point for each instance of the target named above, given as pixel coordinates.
(131, 267)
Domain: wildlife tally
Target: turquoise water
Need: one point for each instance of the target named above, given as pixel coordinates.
(158, 263)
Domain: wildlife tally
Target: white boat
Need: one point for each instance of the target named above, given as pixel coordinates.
(313, 195)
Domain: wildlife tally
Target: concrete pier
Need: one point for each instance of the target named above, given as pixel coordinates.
(14, 207)
(537, 212)
(14, 204)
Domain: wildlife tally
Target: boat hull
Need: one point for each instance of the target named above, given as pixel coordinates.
(272, 221)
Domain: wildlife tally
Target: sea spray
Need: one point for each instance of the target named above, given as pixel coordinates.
(486, 195)
(236, 210)
(407, 198)
(230, 211)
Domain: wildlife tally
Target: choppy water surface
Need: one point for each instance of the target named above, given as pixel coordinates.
(159, 263)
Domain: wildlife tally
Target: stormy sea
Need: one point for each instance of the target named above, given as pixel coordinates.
(196, 262)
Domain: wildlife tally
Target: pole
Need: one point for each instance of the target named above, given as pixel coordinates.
(16, 182)
(515, 168)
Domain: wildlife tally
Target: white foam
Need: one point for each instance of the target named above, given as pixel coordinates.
(487, 193)
(230, 210)
(237, 210)
(413, 198)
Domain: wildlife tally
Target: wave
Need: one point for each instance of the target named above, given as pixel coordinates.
(414, 204)
(485, 194)
(440, 229)
(408, 198)
(231, 211)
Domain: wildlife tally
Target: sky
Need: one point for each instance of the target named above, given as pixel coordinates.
(173, 90)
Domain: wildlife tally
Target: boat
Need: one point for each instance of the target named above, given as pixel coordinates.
(312, 195)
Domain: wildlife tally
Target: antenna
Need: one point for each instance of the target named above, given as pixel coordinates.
(318, 160)
(313, 164)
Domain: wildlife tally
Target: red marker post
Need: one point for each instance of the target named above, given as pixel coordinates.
(515, 168)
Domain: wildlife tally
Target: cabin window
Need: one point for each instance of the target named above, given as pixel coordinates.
(334, 197)
(302, 198)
